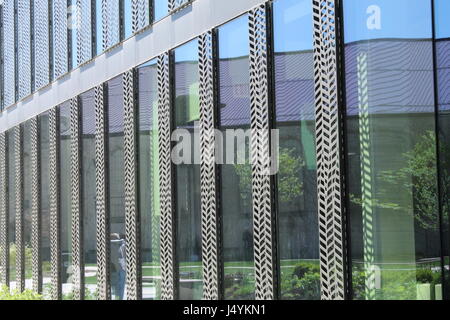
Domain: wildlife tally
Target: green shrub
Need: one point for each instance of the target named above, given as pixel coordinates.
(6, 294)
(424, 276)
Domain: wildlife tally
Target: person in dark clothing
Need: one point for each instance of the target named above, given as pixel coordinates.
(118, 264)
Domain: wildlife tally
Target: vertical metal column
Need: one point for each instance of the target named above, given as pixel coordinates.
(132, 217)
(101, 194)
(60, 38)
(165, 179)
(262, 182)
(24, 48)
(4, 211)
(41, 43)
(111, 23)
(55, 185)
(210, 247)
(35, 205)
(9, 57)
(175, 4)
(20, 255)
(328, 146)
(75, 186)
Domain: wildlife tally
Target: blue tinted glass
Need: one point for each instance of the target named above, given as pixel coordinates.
(293, 25)
(232, 33)
(442, 14)
(161, 9)
(377, 19)
(187, 52)
(98, 26)
(127, 18)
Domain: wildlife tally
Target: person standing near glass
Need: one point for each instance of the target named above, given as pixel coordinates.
(118, 264)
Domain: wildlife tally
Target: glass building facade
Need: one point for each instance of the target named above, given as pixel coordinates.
(296, 150)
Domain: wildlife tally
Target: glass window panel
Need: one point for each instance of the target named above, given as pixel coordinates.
(12, 207)
(236, 188)
(186, 116)
(161, 9)
(149, 181)
(89, 193)
(442, 15)
(98, 27)
(27, 203)
(116, 188)
(73, 12)
(393, 212)
(65, 198)
(45, 204)
(298, 239)
(128, 27)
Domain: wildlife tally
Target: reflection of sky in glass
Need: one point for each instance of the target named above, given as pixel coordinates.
(407, 19)
(98, 22)
(294, 29)
(442, 14)
(187, 52)
(73, 11)
(127, 18)
(231, 33)
(161, 9)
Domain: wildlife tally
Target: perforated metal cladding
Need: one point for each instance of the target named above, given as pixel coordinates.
(20, 255)
(176, 4)
(208, 169)
(35, 206)
(24, 48)
(84, 31)
(140, 14)
(165, 179)
(55, 243)
(132, 230)
(260, 155)
(101, 196)
(75, 186)
(4, 216)
(60, 38)
(328, 151)
(41, 44)
(9, 60)
(111, 23)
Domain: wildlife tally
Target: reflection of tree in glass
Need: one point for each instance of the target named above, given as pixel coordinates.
(290, 185)
(418, 178)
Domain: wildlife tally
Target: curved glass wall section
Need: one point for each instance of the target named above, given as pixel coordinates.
(298, 233)
(442, 54)
(27, 203)
(187, 171)
(45, 204)
(88, 184)
(12, 207)
(149, 205)
(116, 189)
(391, 150)
(66, 201)
(235, 172)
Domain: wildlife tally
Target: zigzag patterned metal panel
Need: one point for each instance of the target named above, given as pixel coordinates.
(84, 31)
(55, 243)
(20, 255)
(132, 229)
(24, 48)
(101, 195)
(35, 206)
(75, 184)
(111, 23)
(9, 60)
(208, 168)
(177, 4)
(4, 212)
(60, 38)
(140, 14)
(260, 155)
(328, 151)
(41, 44)
(165, 179)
